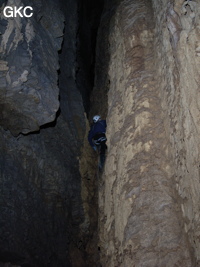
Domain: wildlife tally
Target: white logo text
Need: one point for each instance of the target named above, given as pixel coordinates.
(12, 12)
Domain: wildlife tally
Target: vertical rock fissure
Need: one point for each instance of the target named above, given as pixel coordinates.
(137, 66)
(88, 15)
(40, 194)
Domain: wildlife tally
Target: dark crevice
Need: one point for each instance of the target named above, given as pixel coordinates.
(41, 178)
(89, 14)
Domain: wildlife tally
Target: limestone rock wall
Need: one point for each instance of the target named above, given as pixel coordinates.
(149, 193)
(146, 85)
(40, 184)
(29, 64)
(177, 42)
(40, 198)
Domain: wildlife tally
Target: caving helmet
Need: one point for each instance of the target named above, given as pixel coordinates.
(96, 118)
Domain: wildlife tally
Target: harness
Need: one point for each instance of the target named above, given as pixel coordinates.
(99, 138)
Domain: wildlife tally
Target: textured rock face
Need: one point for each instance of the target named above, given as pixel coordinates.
(29, 64)
(47, 219)
(146, 84)
(177, 58)
(40, 185)
(149, 194)
(40, 197)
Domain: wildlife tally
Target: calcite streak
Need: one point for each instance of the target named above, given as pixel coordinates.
(141, 221)
(180, 102)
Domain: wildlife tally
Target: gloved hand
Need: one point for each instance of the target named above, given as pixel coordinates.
(95, 148)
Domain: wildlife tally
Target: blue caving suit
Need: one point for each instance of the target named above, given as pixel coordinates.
(97, 132)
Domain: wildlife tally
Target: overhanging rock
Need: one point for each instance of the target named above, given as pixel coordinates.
(28, 68)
